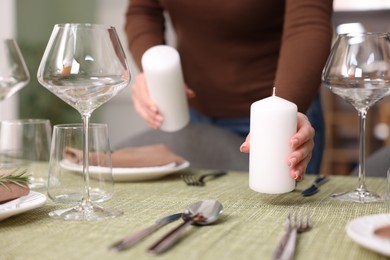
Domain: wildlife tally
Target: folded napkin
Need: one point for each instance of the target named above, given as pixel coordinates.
(10, 191)
(129, 157)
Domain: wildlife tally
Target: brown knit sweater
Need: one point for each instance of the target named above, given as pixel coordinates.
(234, 51)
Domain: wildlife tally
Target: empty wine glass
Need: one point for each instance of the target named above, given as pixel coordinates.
(358, 70)
(25, 143)
(14, 74)
(65, 184)
(85, 66)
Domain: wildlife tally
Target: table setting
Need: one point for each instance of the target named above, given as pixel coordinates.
(147, 202)
(251, 225)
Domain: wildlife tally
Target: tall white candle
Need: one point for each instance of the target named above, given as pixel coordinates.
(164, 78)
(273, 121)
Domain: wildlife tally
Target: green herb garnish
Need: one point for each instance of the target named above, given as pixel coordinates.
(17, 176)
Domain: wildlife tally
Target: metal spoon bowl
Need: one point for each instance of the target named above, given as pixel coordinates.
(200, 213)
(211, 210)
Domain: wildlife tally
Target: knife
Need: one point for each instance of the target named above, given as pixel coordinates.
(131, 240)
(321, 179)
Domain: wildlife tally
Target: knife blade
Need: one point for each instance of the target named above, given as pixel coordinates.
(131, 240)
(321, 179)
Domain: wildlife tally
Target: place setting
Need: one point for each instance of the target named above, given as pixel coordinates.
(143, 163)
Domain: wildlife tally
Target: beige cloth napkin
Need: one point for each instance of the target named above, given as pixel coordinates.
(143, 156)
(12, 191)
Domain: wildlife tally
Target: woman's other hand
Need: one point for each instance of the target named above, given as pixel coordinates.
(145, 106)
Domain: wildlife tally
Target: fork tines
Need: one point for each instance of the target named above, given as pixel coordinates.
(301, 219)
(297, 221)
(194, 180)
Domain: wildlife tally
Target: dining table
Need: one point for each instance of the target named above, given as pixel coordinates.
(250, 227)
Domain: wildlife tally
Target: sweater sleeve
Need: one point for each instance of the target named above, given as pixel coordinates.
(306, 40)
(145, 27)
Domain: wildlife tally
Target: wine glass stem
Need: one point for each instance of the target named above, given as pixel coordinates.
(362, 147)
(86, 200)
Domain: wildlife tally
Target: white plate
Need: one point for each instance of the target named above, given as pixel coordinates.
(361, 230)
(132, 174)
(31, 201)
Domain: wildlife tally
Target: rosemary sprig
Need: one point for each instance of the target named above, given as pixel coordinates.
(17, 176)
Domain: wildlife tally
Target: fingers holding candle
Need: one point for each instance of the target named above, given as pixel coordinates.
(143, 104)
(298, 171)
(165, 83)
(190, 93)
(244, 148)
(303, 143)
(305, 132)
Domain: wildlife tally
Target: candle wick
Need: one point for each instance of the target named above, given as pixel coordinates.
(273, 91)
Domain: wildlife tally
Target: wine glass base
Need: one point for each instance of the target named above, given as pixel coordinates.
(359, 196)
(91, 213)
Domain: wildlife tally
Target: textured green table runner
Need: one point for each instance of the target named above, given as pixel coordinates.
(251, 227)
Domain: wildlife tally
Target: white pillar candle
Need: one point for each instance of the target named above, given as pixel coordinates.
(164, 78)
(273, 121)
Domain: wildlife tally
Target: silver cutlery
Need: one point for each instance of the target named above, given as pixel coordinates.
(194, 180)
(321, 179)
(297, 222)
(131, 240)
(200, 213)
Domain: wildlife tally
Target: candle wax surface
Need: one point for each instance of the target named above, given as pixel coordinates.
(164, 78)
(273, 122)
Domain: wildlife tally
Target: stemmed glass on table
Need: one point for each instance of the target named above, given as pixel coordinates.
(85, 66)
(14, 74)
(358, 70)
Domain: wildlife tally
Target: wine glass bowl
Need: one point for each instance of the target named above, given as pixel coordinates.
(85, 66)
(14, 74)
(358, 70)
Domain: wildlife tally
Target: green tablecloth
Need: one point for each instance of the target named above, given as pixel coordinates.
(250, 228)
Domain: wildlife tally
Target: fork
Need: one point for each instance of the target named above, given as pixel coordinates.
(193, 180)
(297, 222)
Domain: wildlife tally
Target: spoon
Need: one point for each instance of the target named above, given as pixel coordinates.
(200, 213)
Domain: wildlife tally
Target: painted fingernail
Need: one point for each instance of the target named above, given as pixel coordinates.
(243, 146)
(298, 175)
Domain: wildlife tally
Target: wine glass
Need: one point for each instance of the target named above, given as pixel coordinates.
(65, 184)
(25, 143)
(14, 74)
(85, 66)
(358, 70)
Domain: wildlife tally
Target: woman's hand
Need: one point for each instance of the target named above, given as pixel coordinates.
(145, 106)
(302, 143)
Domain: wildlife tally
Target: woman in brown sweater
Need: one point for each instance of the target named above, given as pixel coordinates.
(233, 53)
